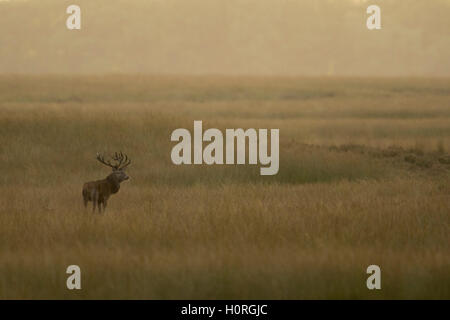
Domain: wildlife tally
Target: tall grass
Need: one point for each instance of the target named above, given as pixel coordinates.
(224, 231)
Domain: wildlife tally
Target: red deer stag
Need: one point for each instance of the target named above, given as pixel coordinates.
(99, 191)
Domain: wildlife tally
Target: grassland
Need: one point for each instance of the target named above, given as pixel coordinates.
(364, 179)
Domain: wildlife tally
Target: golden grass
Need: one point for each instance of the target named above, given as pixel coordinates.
(225, 231)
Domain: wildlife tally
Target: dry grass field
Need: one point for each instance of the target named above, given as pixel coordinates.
(364, 179)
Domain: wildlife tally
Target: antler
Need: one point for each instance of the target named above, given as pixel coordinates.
(107, 163)
(122, 161)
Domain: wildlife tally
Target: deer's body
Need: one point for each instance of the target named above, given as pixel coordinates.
(99, 191)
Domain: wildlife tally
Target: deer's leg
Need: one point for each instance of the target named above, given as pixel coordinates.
(104, 205)
(94, 200)
(101, 201)
(85, 198)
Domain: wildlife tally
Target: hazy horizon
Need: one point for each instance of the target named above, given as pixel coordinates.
(233, 37)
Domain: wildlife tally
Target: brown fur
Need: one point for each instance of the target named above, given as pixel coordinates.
(99, 191)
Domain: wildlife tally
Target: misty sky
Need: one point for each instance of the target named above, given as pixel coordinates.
(273, 37)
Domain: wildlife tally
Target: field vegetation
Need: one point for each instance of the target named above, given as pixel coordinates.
(364, 179)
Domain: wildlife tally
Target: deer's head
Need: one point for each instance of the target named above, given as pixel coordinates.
(121, 161)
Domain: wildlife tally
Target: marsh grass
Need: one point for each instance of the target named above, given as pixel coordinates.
(208, 232)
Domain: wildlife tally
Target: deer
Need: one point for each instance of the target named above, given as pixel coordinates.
(99, 191)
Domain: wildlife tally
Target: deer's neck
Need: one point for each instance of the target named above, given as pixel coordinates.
(113, 183)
